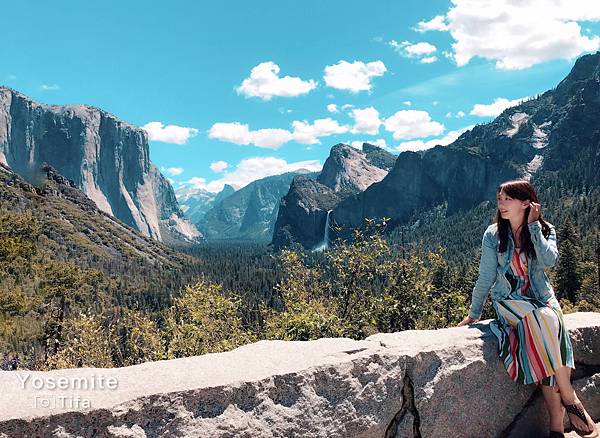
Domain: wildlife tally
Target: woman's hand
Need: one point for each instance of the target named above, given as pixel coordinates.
(467, 320)
(535, 210)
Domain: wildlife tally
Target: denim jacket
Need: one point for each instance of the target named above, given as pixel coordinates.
(494, 264)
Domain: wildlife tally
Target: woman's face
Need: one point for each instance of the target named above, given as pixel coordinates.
(511, 208)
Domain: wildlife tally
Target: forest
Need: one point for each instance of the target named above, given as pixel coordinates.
(62, 308)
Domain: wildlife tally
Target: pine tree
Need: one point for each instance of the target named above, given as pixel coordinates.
(568, 277)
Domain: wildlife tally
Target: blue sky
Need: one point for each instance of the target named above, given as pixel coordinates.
(247, 88)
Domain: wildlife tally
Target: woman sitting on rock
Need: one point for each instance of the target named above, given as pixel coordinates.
(533, 342)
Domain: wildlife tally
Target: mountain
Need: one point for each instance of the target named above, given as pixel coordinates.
(107, 158)
(249, 213)
(196, 202)
(350, 170)
(347, 171)
(74, 229)
(555, 135)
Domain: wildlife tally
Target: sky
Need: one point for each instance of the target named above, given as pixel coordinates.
(234, 91)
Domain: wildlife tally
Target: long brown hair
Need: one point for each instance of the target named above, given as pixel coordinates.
(522, 190)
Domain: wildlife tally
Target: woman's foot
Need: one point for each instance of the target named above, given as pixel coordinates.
(580, 420)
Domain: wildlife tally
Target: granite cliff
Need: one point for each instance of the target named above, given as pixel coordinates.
(303, 213)
(107, 158)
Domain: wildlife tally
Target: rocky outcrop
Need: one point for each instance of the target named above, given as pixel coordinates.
(107, 158)
(350, 170)
(430, 383)
(249, 213)
(302, 214)
(347, 171)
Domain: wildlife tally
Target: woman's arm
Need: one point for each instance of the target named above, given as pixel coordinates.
(545, 249)
(487, 274)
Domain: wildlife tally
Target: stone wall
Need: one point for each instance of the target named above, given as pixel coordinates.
(429, 383)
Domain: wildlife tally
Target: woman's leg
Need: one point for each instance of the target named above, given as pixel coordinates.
(567, 393)
(556, 411)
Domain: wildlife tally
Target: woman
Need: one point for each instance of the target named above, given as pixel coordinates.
(533, 341)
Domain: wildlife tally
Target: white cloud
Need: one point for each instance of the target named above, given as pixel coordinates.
(46, 87)
(517, 34)
(429, 59)
(303, 132)
(422, 50)
(195, 181)
(366, 121)
(241, 134)
(379, 142)
(458, 115)
(408, 124)
(219, 166)
(173, 171)
(495, 108)
(270, 138)
(346, 106)
(413, 50)
(307, 133)
(407, 103)
(170, 133)
(332, 108)
(436, 23)
(251, 169)
(354, 76)
(265, 83)
(420, 145)
(230, 132)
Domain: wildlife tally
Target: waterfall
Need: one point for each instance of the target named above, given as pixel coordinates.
(325, 242)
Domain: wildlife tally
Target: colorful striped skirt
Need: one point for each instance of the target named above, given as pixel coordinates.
(533, 341)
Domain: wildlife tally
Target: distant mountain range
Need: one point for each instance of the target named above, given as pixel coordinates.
(249, 213)
(196, 202)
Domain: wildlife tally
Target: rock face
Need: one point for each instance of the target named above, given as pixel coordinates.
(351, 170)
(347, 171)
(107, 158)
(552, 136)
(249, 213)
(302, 213)
(430, 383)
(420, 180)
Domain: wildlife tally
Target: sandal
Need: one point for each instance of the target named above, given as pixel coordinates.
(578, 410)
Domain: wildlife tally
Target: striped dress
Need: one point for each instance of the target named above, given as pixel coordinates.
(532, 337)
